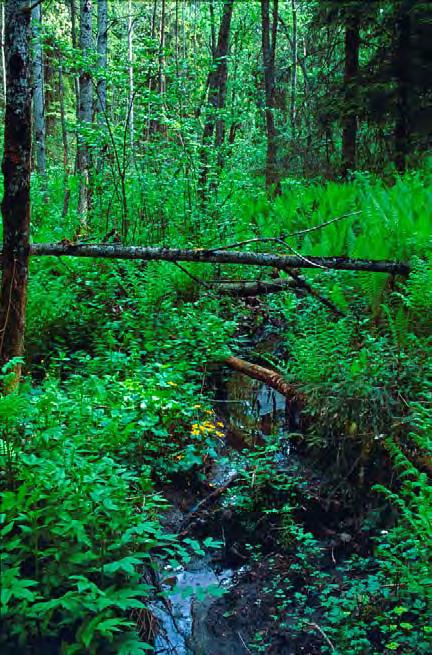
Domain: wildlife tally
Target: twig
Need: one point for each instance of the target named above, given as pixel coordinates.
(192, 277)
(321, 631)
(301, 282)
(282, 237)
(319, 227)
(243, 642)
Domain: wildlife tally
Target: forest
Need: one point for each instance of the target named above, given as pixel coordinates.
(215, 327)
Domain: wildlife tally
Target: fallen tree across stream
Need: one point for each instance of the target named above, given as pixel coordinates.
(281, 262)
(268, 376)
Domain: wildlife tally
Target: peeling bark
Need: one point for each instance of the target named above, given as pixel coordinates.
(16, 170)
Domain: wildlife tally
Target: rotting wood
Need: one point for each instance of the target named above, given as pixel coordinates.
(281, 262)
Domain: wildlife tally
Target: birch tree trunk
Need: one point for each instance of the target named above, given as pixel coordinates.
(16, 171)
(2, 45)
(269, 35)
(294, 70)
(38, 91)
(131, 112)
(102, 50)
(85, 112)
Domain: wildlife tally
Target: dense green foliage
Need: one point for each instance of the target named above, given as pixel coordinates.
(122, 358)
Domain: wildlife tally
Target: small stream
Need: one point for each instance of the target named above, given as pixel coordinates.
(250, 411)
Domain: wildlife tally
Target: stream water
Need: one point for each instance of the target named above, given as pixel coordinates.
(250, 410)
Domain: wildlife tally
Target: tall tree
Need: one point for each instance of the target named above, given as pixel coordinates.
(16, 171)
(131, 110)
(85, 111)
(2, 46)
(102, 50)
(38, 90)
(269, 34)
(350, 105)
(294, 68)
(402, 74)
(217, 86)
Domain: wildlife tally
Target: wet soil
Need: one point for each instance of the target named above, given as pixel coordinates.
(221, 602)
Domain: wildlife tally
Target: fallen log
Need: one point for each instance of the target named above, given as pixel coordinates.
(281, 262)
(257, 288)
(272, 378)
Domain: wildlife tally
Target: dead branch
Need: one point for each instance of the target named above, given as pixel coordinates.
(273, 379)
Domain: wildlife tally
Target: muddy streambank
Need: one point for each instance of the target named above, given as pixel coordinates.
(243, 596)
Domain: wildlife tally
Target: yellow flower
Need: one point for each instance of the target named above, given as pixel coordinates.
(196, 406)
(219, 424)
(219, 434)
(173, 384)
(208, 411)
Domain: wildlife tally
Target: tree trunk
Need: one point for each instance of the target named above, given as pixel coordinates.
(102, 50)
(66, 190)
(350, 110)
(269, 35)
(16, 170)
(402, 73)
(74, 39)
(131, 112)
(281, 262)
(2, 45)
(38, 91)
(217, 85)
(85, 112)
(294, 70)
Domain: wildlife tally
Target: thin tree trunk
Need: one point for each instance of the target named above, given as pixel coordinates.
(402, 73)
(38, 91)
(102, 50)
(85, 112)
(74, 39)
(66, 190)
(217, 85)
(16, 170)
(269, 35)
(212, 30)
(352, 48)
(3, 60)
(131, 112)
(294, 70)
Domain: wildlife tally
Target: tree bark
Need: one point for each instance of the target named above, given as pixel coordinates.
(281, 262)
(131, 112)
(38, 91)
(217, 85)
(294, 70)
(16, 170)
(85, 112)
(2, 46)
(273, 379)
(402, 72)
(269, 35)
(102, 50)
(350, 110)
